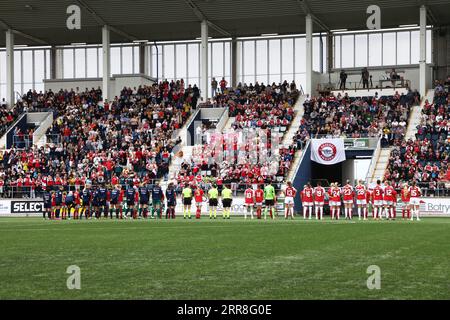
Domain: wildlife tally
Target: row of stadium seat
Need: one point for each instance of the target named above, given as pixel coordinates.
(425, 159)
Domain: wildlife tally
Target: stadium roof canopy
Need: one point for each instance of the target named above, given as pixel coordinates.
(43, 22)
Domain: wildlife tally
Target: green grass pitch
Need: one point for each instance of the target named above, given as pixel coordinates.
(232, 259)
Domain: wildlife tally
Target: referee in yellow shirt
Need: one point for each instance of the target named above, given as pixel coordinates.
(226, 195)
(213, 195)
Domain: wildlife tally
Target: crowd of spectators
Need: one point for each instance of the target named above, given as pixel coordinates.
(250, 152)
(343, 116)
(426, 159)
(90, 141)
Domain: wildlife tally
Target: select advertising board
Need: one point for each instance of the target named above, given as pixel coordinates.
(19, 207)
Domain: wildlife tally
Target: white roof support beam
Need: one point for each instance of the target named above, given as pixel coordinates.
(305, 6)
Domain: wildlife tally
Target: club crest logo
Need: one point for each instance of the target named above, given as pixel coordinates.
(327, 151)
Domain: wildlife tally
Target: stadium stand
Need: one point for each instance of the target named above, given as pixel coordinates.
(91, 142)
(425, 158)
(265, 112)
(343, 116)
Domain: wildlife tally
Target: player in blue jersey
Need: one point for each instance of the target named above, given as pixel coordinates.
(102, 195)
(157, 198)
(69, 204)
(130, 195)
(47, 204)
(58, 201)
(171, 197)
(95, 202)
(143, 200)
(115, 202)
(86, 202)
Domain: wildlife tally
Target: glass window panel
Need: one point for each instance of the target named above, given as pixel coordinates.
(347, 51)
(193, 60)
(415, 47)
(300, 50)
(248, 58)
(209, 61)
(181, 61)
(39, 66)
(337, 52)
(261, 58)
(375, 49)
(27, 56)
(127, 60)
(17, 67)
(80, 63)
(115, 60)
(91, 62)
(316, 54)
(39, 86)
(136, 59)
(403, 47)
(261, 78)
(361, 50)
(47, 64)
(100, 62)
(389, 49)
(217, 62)
(68, 63)
(169, 59)
(287, 58)
(2, 67)
(227, 58)
(2, 92)
(18, 88)
(300, 80)
(274, 58)
(429, 46)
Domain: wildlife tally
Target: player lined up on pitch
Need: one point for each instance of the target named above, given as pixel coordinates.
(381, 200)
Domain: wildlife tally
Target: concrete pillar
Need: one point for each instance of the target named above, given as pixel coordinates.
(143, 58)
(309, 54)
(204, 84)
(423, 52)
(106, 57)
(10, 100)
(53, 62)
(234, 63)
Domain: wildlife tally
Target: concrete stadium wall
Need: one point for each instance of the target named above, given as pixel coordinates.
(117, 83)
(409, 72)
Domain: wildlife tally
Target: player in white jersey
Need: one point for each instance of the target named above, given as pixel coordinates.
(319, 200)
(289, 195)
(415, 194)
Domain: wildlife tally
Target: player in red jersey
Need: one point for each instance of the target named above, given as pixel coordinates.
(307, 200)
(319, 200)
(198, 196)
(334, 194)
(405, 200)
(361, 199)
(259, 198)
(77, 208)
(349, 194)
(415, 194)
(249, 201)
(289, 196)
(389, 201)
(377, 200)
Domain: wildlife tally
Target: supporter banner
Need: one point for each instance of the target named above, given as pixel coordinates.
(327, 151)
(356, 143)
(32, 207)
(5, 207)
(435, 207)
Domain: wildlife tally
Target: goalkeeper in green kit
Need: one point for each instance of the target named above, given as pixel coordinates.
(269, 199)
